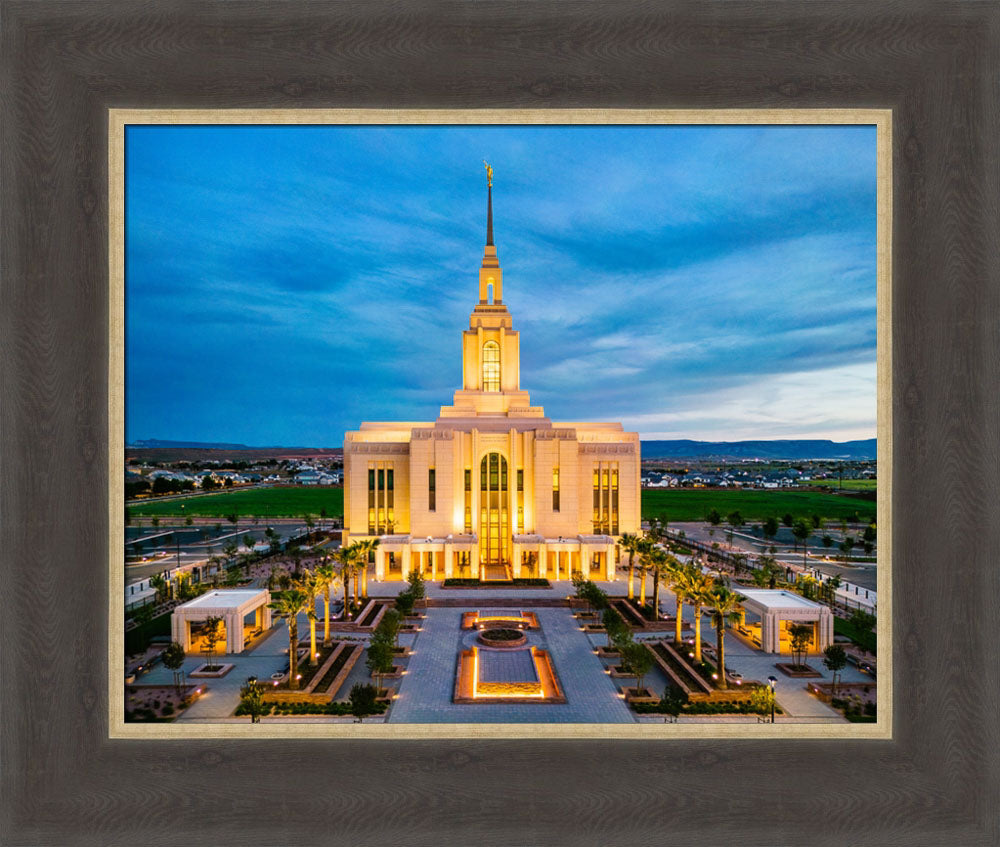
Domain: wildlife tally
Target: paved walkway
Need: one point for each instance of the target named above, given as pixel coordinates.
(426, 691)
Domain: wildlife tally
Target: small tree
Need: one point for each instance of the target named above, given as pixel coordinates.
(173, 658)
(614, 624)
(787, 519)
(802, 529)
(800, 634)
(252, 699)
(404, 602)
(835, 661)
(865, 621)
(362, 699)
(211, 635)
(391, 621)
(637, 660)
(380, 655)
(417, 587)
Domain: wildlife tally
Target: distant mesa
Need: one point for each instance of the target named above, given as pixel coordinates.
(151, 443)
(778, 449)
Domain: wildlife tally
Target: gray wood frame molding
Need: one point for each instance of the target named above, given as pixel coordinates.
(66, 63)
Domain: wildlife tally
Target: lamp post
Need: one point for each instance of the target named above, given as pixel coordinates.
(772, 681)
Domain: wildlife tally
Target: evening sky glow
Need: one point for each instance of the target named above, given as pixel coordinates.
(283, 284)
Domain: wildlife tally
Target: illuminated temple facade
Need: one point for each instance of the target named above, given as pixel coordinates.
(492, 489)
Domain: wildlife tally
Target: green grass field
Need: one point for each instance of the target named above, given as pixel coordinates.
(673, 505)
(290, 502)
(695, 504)
(853, 484)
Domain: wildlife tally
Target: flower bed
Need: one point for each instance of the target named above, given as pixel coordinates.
(155, 703)
(285, 709)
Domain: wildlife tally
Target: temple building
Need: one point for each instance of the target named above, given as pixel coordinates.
(493, 489)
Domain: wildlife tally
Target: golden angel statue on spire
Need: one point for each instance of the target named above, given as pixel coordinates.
(489, 174)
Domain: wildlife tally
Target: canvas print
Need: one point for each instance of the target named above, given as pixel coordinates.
(500, 424)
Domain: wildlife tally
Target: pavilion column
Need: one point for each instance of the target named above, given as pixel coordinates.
(516, 566)
(449, 561)
(405, 562)
(180, 631)
(543, 561)
(609, 562)
(234, 633)
(585, 561)
(379, 564)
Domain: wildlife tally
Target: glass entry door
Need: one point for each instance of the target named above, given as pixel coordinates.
(494, 527)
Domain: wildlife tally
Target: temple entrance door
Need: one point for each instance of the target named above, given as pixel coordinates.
(494, 523)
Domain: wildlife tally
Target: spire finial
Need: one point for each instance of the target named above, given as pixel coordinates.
(489, 204)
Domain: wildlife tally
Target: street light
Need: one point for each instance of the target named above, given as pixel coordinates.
(772, 681)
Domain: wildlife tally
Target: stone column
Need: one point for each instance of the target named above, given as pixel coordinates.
(180, 631)
(404, 562)
(609, 562)
(234, 632)
(379, 564)
(516, 564)
(585, 561)
(449, 561)
(770, 639)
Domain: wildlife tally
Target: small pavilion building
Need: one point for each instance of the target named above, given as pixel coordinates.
(493, 489)
(244, 613)
(767, 614)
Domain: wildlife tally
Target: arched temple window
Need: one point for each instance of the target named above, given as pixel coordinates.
(491, 366)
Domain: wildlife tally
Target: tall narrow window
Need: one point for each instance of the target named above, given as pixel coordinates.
(555, 489)
(431, 492)
(520, 500)
(606, 498)
(390, 519)
(468, 500)
(493, 520)
(491, 366)
(371, 500)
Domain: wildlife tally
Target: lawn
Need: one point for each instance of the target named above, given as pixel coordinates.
(283, 502)
(674, 505)
(851, 484)
(695, 504)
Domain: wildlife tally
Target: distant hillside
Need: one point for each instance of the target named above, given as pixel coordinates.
(154, 443)
(792, 450)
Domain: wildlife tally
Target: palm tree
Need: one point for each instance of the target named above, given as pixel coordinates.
(660, 563)
(326, 574)
(290, 603)
(699, 586)
(678, 579)
(308, 584)
(724, 609)
(345, 557)
(366, 547)
(644, 548)
(158, 583)
(630, 543)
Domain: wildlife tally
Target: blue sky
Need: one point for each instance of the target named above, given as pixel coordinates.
(283, 284)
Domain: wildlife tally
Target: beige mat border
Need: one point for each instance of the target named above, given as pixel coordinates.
(118, 119)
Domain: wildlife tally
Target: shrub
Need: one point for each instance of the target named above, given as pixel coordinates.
(362, 700)
(404, 602)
